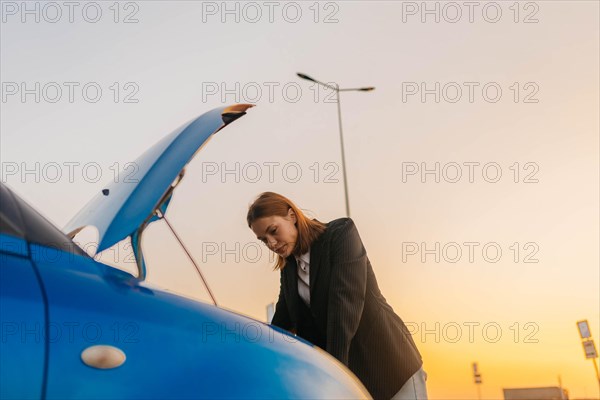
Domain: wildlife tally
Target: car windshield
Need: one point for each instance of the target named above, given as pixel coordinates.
(17, 218)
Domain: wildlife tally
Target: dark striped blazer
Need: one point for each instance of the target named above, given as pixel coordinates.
(348, 316)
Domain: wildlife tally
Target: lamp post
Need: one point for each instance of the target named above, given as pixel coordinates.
(337, 90)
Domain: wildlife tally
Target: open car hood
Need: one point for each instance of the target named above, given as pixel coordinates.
(125, 207)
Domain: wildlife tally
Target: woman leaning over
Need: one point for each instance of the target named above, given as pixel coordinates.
(330, 297)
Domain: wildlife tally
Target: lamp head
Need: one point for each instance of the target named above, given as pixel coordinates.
(303, 76)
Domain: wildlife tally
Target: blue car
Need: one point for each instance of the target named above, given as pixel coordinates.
(72, 327)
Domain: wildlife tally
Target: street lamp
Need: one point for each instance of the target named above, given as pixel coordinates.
(337, 90)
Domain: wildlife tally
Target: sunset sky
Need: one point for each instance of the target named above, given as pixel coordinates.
(514, 135)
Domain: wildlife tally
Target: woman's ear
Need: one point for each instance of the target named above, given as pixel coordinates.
(292, 215)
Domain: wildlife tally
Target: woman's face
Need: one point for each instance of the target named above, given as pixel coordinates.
(278, 233)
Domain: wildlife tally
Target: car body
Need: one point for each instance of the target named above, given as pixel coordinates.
(73, 327)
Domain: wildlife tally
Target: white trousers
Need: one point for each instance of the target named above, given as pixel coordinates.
(415, 388)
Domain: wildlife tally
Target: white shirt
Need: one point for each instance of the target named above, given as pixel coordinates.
(303, 263)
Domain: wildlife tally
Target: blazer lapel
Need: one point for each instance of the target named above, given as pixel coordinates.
(291, 285)
(316, 255)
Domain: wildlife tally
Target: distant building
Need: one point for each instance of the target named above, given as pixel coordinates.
(542, 393)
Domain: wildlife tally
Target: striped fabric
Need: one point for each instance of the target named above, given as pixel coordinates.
(348, 316)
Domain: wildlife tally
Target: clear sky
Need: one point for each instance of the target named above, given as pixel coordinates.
(500, 98)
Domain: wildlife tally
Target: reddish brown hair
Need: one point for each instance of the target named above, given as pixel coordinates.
(270, 204)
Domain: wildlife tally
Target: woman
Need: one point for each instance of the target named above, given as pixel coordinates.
(330, 297)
